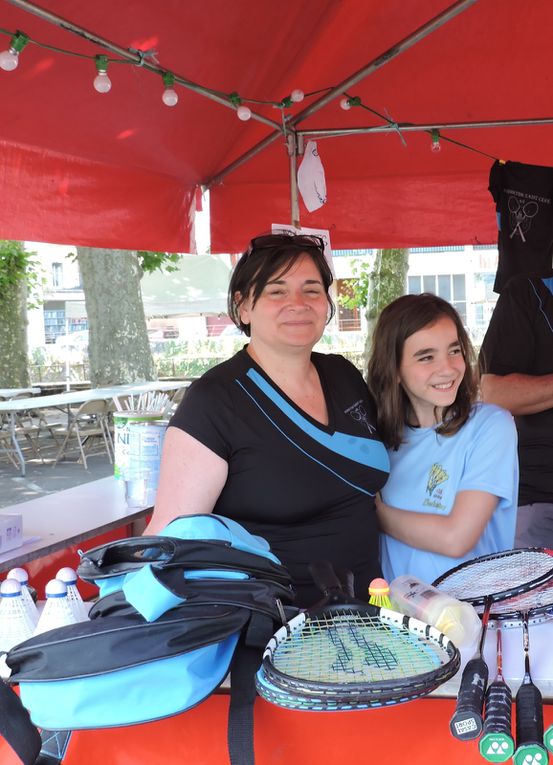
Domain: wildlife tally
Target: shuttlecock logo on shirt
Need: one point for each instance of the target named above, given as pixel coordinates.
(436, 476)
(311, 178)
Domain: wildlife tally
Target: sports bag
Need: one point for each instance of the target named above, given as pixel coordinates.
(175, 611)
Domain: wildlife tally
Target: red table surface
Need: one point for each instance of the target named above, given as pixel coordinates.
(416, 733)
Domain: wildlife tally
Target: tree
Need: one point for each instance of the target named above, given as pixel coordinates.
(374, 289)
(118, 348)
(18, 281)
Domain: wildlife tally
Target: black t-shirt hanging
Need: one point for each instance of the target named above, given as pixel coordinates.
(523, 196)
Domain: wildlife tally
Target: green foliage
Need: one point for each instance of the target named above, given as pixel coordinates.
(373, 288)
(162, 261)
(18, 266)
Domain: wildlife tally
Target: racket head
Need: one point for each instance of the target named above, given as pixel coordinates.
(498, 576)
(346, 650)
(536, 603)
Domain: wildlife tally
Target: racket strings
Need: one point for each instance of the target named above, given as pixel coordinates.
(355, 648)
(496, 574)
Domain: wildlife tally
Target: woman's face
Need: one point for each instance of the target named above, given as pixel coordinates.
(291, 311)
(431, 370)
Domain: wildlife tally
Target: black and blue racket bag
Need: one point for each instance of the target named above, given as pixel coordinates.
(176, 612)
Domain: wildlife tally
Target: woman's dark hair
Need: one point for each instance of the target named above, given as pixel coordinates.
(398, 321)
(268, 256)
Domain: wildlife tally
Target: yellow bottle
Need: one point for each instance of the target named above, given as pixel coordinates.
(456, 619)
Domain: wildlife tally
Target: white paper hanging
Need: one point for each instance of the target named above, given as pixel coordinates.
(311, 178)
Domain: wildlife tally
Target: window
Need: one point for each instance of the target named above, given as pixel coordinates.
(450, 287)
(57, 274)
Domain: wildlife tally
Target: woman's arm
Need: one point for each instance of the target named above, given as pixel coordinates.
(454, 534)
(190, 480)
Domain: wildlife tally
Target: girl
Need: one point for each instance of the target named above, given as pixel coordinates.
(452, 491)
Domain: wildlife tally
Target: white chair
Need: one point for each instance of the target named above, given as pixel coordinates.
(88, 423)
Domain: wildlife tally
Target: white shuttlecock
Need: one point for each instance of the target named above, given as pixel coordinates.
(57, 612)
(69, 577)
(15, 623)
(23, 578)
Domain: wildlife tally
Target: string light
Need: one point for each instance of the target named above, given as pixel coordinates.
(297, 96)
(347, 102)
(244, 113)
(102, 82)
(9, 59)
(169, 96)
(435, 146)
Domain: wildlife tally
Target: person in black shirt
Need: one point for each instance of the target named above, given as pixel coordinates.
(516, 360)
(279, 438)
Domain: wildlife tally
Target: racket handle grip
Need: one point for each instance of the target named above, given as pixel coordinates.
(529, 706)
(496, 744)
(498, 708)
(466, 722)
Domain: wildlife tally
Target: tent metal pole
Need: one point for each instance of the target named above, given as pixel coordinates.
(130, 55)
(294, 201)
(403, 45)
(407, 127)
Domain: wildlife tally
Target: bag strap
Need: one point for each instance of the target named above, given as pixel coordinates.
(54, 746)
(245, 664)
(16, 727)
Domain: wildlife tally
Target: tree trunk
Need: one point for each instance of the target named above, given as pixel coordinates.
(14, 369)
(118, 347)
(387, 283)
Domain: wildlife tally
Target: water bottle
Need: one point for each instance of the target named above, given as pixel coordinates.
(456, 619)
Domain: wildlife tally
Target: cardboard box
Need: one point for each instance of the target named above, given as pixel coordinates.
(11, 531)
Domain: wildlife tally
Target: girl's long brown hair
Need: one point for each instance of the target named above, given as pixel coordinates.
(398, 321)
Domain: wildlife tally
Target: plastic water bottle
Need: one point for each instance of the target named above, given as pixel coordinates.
(56, 612)
(458, 620)
(23, 578)
(69, 577)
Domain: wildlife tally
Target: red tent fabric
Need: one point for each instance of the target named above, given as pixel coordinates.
(120, 169)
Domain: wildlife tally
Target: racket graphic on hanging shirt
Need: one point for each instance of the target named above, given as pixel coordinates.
(345, 654)
(485, 581)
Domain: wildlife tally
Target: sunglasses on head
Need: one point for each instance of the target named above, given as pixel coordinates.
(296, 240)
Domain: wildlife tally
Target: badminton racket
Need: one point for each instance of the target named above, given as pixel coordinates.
(346, 654)
(486, 581)
(496, 744)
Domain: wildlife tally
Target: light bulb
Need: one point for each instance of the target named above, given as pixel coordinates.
(170, 97)
(9, 59)
(435, 145)
(244, 113)
(102, 82)
(345, 104)
(297, 95)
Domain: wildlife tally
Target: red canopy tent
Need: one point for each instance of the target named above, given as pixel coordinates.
(120, 169)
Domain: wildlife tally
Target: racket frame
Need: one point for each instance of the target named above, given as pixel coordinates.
(378, 690)
(507, 593)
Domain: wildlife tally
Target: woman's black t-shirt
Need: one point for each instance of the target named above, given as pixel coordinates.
(305, 487)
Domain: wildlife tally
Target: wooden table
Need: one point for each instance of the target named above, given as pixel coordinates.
(64, 518)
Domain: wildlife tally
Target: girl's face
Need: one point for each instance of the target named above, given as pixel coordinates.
(431, 370)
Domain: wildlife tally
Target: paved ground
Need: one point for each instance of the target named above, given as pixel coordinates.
(44, 478)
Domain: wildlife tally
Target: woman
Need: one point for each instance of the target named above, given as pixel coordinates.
(452, 491)
(278, 438)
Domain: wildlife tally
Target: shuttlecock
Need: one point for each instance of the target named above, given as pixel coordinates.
(15, 623)
(69, 577)
(379, 591)
(23, 578)
(57, 612)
